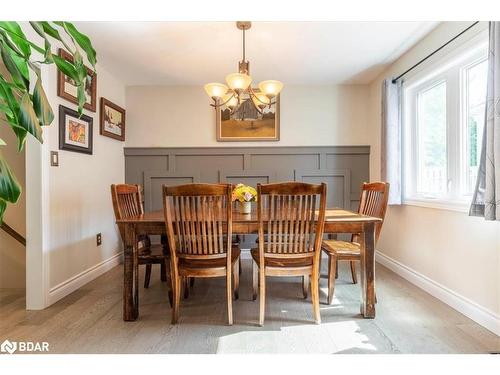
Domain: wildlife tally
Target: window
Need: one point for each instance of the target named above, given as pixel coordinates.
(444, 119)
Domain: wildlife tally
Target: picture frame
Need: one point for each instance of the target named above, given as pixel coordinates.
(112, 120)
(261, 128)
(67, 91)
(75, 131)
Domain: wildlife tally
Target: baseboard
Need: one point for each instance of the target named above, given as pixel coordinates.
(470, 309)
(69, 286)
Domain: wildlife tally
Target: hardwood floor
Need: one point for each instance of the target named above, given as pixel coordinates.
(90, 320)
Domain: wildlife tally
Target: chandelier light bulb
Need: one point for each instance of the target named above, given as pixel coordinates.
(215, 90)
(238, 81)
(271, 88)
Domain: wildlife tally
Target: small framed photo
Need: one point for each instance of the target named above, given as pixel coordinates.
(67, 89)
(112, 121)
(75, 132)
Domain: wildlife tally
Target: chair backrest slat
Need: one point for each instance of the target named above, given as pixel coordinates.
(288, 224)
(127, 201)
(373, 202)
(198, 219)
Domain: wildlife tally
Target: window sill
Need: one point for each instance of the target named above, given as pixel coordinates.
(439, 204)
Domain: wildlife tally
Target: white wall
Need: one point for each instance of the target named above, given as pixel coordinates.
(457, 255)
(79, 196)
(170, 116)
(12, 253)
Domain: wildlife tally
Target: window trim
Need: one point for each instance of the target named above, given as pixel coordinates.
(450, 69)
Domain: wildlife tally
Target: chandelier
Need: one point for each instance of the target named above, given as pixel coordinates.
(239, 88)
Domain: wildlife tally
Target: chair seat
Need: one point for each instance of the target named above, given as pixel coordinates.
(341, 248)
(282, 262)
(152, 254)
(209, 263)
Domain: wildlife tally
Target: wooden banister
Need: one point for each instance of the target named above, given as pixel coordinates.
(13, 233)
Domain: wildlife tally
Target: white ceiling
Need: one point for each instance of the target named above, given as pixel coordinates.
(304, 53)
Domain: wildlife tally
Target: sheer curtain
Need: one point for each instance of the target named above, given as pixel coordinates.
(486, 198)
(391, 138)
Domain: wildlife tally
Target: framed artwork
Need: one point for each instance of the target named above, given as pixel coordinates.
(66, 87)
(112, 121)
(245, 123)
(75, 132)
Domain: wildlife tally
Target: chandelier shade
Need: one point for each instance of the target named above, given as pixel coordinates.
(238, 81)
(216, 90)
(239, 89)
(271, 88)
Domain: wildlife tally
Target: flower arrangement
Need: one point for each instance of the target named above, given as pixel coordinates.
(244, 193)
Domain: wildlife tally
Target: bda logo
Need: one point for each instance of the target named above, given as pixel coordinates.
(8, 347)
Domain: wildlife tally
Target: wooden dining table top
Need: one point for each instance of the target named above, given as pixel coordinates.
(331, 215)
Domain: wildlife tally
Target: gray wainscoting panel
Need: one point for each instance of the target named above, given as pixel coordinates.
(343, 168)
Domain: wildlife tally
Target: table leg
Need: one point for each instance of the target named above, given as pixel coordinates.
(367, 268)
(130, 276)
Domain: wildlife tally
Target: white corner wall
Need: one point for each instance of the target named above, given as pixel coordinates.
(181, 116)
(79, 201)
(452, 256)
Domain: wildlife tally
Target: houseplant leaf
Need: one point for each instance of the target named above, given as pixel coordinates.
(66, 67)
(17, 67)
(41, 104)
(17, 36)
(9, 186)
(82, 40)
(28, 119)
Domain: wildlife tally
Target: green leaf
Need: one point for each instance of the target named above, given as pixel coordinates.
(21, 135)
(50, 31)
(17, 36)
(47, 54)
(81, 98)
(41, 104)
(3, 207)
(28, 119)
(82, 40)
(8, 97)
(66, 67)
(32, 45)
(10, 190)
(16, 66)
(6, 109)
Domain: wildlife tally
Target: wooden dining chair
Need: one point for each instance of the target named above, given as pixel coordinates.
(127, 202)
(292, 237)
(373, 202)
(199, 228)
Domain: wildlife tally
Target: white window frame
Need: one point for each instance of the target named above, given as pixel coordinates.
(450, 69)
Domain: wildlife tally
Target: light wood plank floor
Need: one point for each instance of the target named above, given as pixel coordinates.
(90, 320)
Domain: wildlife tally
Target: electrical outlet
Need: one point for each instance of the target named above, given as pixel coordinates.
(98, 238)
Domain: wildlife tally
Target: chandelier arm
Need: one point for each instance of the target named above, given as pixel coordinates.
(221, 104)
(252, 93)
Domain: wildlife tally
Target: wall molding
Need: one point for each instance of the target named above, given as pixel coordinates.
(76, 282)
(481, 315)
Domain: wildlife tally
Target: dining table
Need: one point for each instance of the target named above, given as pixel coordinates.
(337, 221)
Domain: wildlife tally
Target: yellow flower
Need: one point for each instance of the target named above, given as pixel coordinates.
(244, 193)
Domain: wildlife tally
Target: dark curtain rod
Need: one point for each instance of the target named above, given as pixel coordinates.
(394, 80)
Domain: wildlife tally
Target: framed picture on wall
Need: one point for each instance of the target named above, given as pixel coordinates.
(245, 123)
(75, 132)
(112, 121)
(67, 89)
